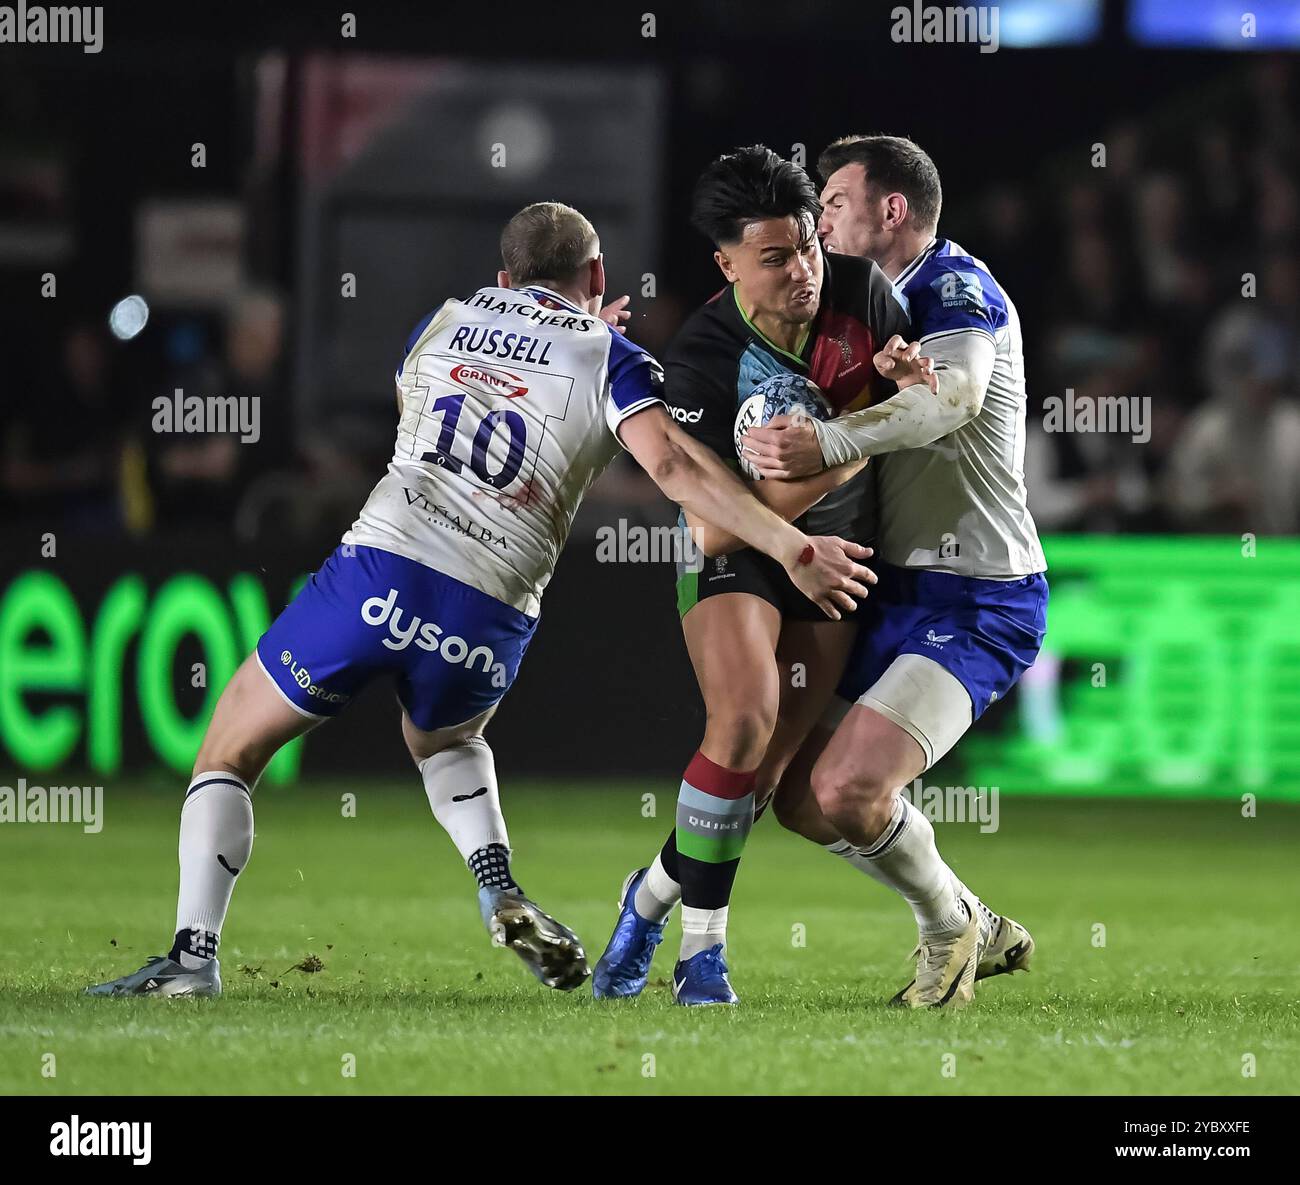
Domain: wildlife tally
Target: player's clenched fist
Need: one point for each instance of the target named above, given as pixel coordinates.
(827, 572)
(901, 362)
(785, 447)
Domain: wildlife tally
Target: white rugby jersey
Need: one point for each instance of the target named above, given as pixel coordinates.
(510, 404)
(958, 505)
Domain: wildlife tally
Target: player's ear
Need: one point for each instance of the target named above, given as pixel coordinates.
(597, 276)
(724, 263)
(503, 279)
(896, 209)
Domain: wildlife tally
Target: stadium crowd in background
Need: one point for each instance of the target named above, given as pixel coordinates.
(1172, 274)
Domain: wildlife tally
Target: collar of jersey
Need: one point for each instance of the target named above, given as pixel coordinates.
(910, 270)
(754, 329)
(535, 288)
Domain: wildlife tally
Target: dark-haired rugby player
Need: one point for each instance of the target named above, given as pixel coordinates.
(766, 659)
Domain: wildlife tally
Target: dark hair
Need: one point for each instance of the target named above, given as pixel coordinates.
(546, 241)
(895, 164)
(747, 184)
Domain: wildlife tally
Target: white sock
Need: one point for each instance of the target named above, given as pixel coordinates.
(702, 928)
(215, 843)
(657, 893)
(461, 784)
(904, 857)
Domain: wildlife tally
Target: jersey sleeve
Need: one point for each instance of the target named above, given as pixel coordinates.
(955, 295)
(413, 337)
(636, 381)
(700, 407)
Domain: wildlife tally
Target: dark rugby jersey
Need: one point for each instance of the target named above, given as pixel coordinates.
(718, 358)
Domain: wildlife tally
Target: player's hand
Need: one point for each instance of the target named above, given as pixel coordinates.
(616, 313)
(834, 577)
(901, 362)
(786, 446)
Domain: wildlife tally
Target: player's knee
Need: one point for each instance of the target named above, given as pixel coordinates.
(843, 791)
(237, 748)
(740, 734)
(245, 766)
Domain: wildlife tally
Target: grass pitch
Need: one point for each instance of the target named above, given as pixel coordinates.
(1193, 990)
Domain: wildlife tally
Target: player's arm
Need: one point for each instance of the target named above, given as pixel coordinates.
(956, 330)
(691, 475)
(789, 499)
(704, 406)
(932, 399)
(937, 394)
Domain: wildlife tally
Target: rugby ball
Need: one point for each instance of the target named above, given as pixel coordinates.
(782, 394)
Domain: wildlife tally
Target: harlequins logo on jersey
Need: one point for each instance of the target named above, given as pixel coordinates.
(841, 361)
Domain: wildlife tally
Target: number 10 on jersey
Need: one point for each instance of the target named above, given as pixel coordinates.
(468, 444)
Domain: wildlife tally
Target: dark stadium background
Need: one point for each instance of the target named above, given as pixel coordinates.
(368, 155)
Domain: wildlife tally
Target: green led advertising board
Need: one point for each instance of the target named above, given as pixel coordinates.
(52, 648)
(1171, 666)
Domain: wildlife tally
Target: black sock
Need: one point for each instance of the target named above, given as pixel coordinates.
(491, 868)
(708, 886)
(200, 944)
(668, 857)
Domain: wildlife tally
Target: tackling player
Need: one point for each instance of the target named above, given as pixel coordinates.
(512, 402)
(787, 310)
(960, 610)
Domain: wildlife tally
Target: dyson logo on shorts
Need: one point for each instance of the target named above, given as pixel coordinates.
(427, 635)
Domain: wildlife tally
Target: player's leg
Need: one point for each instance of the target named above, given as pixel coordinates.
(942, 648)
(875, 751)
(732, 643)
(810, 655)
(793, 803)
(460, 780)
(307, 666)
(731, 623)
(810, 661)
(469, 651)
(252, 721)
(797, 809)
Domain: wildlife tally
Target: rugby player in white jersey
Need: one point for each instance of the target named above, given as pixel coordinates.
(512, 402)
(960, 610)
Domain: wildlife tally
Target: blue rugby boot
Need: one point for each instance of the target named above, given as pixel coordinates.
(702, 979)
(625, 965)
